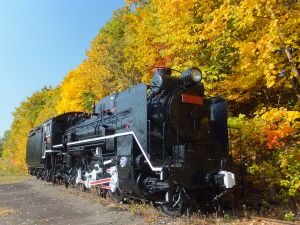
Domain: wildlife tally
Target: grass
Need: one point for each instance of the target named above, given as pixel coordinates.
(151, 215)
(6, 211)
(13, 179)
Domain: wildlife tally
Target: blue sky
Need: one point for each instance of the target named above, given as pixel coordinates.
(40, 41)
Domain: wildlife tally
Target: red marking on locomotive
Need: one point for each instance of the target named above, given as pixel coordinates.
(192, 99)
(106, 187)
(102, 181)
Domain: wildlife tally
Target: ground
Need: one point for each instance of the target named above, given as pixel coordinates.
(35, 202)
(27, 200)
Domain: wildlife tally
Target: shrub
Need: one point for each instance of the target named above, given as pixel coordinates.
(271, 146)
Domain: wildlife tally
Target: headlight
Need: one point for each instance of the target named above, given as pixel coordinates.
(192, 74)
(196, 75)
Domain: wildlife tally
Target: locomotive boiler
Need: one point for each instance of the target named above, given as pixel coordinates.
(166, 143)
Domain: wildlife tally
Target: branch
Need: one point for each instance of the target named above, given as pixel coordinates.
(289, 56)
(287, 51)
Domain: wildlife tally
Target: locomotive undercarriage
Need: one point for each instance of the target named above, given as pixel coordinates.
(95, 168)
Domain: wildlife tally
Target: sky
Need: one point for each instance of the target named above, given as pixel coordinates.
(40, 41)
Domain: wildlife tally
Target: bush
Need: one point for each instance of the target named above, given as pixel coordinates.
(289, 216)
(271, 146)
(7, 168)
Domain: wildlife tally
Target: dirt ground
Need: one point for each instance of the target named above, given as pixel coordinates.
(31, 201)
(35, 202)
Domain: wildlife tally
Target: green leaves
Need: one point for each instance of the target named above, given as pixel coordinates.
(269, 143)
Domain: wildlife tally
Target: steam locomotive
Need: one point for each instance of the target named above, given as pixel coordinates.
(166, 143)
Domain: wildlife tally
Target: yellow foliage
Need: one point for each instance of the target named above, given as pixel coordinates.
(29, 114)
(239, 46)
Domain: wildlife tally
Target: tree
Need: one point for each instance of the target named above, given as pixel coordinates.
(103, 72)
(1, 148)
(3, 140)
(31, 113)
(237, 44)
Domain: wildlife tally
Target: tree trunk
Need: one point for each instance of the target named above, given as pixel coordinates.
(289, 56)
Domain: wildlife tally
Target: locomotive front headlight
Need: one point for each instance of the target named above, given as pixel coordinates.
(196, 75)
(192, 74)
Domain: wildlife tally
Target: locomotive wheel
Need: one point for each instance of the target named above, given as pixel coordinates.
(178, 207)
(117, 196)
(102, 193)
(66, 181)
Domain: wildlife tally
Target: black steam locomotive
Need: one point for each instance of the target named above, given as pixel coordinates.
(167, 144)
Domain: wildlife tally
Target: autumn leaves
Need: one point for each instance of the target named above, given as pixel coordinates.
(248, 51)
